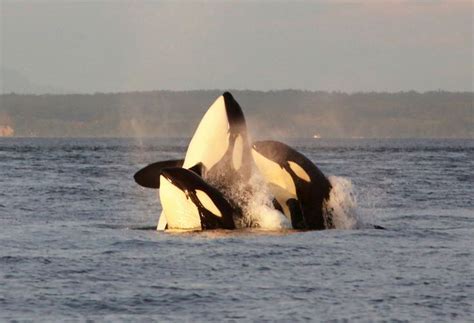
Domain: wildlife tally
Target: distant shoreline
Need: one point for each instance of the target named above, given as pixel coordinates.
(277, 114)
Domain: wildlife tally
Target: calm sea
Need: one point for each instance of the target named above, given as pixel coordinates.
(74, 243)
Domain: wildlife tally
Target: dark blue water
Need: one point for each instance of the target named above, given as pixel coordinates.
(71, 245)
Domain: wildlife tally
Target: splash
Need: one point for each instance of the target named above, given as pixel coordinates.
(259, 208)
(342, 205)
(255, 200)
(256, 203)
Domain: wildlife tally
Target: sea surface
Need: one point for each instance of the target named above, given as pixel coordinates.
(76, 243)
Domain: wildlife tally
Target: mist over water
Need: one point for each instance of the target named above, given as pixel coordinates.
(72, 245)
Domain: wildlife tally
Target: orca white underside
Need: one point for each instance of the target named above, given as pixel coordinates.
(180, 212)
(279, 181)
(211, 139)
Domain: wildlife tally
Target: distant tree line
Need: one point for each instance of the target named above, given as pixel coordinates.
(274, 114)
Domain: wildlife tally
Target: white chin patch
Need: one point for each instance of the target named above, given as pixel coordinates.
(181, 212)
(238, 152)
(207, 202)
(211, 139)
(299, 171)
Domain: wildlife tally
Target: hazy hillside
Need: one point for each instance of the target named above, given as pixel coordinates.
(288, 113)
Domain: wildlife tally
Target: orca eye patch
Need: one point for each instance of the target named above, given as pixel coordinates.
(299, 171)
(207, 202)
(237, 152)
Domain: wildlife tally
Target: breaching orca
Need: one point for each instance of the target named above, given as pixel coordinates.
(192, 204)
(220, 145)
(299, 187)
(149, 176)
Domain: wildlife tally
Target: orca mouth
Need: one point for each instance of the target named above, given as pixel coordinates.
(177, 176)
(167, 174)
(169, 179)
(256, 147)
(261, 149)
(270, 149)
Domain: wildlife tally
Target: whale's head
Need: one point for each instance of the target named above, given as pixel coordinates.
(189, 202)
(179, 177)
(271, 150)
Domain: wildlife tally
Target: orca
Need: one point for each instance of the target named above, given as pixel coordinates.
(162, 224)
(299, 187)
(192, 204)
(149, 177)
(220, 145)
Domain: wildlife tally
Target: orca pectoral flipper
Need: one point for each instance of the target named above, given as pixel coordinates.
(149, 176)
(277, 205)
(297, 218)
(212, 221)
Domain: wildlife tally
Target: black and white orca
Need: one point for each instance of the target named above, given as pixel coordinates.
(149, 177)
(192, 204)
(299, 187)
(220, 145)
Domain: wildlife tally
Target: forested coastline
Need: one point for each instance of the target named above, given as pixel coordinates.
(284, 113)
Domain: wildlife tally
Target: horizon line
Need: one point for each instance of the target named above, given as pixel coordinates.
(240, 90)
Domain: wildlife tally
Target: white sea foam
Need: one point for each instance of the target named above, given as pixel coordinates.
(257, 206)
(342, 205)
(260, 208)
(258, 211)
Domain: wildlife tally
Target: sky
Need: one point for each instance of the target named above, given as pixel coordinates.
(350, 46)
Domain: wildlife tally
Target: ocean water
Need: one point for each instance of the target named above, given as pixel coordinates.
(76, 244)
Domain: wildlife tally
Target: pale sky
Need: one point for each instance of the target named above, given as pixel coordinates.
(110, 46)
